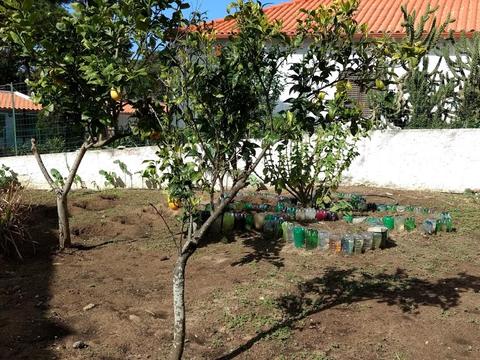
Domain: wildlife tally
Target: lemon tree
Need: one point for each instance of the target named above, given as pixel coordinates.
(89, 63)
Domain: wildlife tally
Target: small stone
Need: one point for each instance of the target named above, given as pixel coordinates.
(426, 342)
(135, 319)
(164, 258)
(89, 307)
(79, 345)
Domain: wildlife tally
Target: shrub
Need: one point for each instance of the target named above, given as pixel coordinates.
(311, 168)
(13, 233)
(7, 177)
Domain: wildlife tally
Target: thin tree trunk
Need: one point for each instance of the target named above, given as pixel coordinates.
(179, 307)
(64, 238)
(63, 222)
(186, 251)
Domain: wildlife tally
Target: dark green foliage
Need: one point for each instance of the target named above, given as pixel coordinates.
(8, 177)
(388, 107)
(14, 65)
(430, 97)
(212, 99)
(80, 56)
(465, 67)
(421, 97)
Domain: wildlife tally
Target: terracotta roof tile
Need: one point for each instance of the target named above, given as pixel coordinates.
(22, 102)
(127, 109)
(381, 16)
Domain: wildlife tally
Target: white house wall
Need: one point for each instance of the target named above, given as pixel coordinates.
(297, 57)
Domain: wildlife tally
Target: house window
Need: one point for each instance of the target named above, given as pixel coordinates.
(359, 94)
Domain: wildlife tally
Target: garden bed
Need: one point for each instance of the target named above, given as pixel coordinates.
(246, 296)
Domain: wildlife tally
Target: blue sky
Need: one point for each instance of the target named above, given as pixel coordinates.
(218, 8)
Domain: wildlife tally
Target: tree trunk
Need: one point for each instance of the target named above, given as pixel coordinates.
(188, 249)
(179, 307)
(63, 222)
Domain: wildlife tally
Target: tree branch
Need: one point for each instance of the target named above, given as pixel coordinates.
(159, 213)
(73, 171)
(104, 142)
(43, 168)
(240, 184)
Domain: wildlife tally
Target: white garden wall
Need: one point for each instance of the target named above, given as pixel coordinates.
(95, 160)
(447, 160)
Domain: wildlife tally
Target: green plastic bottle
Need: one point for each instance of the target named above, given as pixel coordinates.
(311, 239)
(389, 222)
(449, 225)
(299, 237)
(348, 218)
(249, 222)
(228, 222)
(410, 224)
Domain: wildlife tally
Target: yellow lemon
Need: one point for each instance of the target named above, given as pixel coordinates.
(115, 94)
(173, 204)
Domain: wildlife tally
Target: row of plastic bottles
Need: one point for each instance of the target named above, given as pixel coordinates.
(286, 212)
(442, 223)
(359, 203)
(273, 224)
(311, 239)
(400, 223)
(312, 214)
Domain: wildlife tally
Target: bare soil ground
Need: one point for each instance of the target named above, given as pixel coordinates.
(247, 298)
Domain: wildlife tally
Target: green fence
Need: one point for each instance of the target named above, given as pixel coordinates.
(21, 120)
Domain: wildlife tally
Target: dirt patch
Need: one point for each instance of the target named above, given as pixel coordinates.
(247, 297)
(97, 204)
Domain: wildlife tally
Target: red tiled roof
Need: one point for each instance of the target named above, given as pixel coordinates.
(381, 16)
(127, 109)
(21, 101)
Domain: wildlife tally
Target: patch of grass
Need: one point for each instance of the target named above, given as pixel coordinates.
(237, 321)
(433, 266)
(268, 303)
(217, 294)
(292, 277)
(445, 314)
(474, 321)
(260, 321)
(305, 355)
(400, 356)
(241, 295)
(217, 342)
(280, 334)
(244, 321)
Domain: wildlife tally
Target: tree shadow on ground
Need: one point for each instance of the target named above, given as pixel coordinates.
(338, 287)
(263, 249)
(27, 324)
(83, 247)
